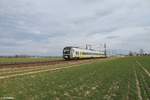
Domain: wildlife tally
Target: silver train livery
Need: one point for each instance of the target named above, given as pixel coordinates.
(79, 53)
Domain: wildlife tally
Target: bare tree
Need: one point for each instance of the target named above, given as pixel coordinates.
(141, 52)
(130, 53)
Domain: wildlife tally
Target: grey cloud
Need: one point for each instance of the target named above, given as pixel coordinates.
(103, 31)
(112, 37)
(47, 26)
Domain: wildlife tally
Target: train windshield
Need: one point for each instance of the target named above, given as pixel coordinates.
(66, 50)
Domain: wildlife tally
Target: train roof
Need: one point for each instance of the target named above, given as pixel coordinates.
(71, 47)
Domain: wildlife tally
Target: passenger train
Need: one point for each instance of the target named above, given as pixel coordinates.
(79, 53)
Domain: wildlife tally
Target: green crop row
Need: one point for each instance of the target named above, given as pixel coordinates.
(16, 60)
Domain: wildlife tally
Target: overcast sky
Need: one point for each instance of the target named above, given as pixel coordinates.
(44, 27)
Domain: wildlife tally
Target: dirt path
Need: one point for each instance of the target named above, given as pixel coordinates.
(128, 92)
(146, 71)
(33, 72)
(138, 87)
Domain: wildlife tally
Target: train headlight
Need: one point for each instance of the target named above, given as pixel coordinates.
(66, 56)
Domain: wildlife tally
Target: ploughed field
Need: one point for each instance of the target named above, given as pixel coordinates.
(114, 79)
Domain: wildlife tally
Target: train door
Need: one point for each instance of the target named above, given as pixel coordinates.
(77, 54)
(71, 53)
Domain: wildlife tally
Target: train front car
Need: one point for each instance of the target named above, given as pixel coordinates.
(67, 53)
